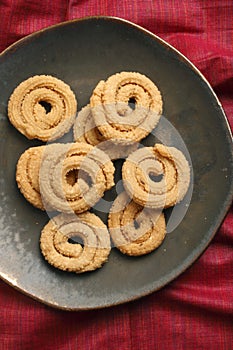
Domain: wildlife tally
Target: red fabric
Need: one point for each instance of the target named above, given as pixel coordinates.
(196, 310)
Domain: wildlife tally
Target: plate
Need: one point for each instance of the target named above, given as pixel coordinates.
(81, 52)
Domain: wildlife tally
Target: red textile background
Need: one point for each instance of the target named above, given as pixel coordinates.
(196, 310)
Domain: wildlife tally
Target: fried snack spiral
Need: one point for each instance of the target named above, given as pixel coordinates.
(27, 108)
(110, 103)
(93, 174)
(27, 175)
(85, 130)
(135, 230)
(59, 251)
(170, 170)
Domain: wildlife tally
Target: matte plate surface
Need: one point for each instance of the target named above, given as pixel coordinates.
(81, 53)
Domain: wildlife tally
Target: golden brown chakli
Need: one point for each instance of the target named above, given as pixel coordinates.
(156, 177)
(27, 175)
(126, 107)
(135, 230)
(93, 170)
(42, 107)
(90, 253)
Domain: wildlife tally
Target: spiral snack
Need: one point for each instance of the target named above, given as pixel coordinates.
(27, 175)
(57, 247)
(135, 230)
(110, 103)
(28, 103)
(85, 130)
(156, 177)
(93, 174)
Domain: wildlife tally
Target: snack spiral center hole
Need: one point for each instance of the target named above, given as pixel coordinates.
(76, 240)
(47, 106)
(136, 224)
(73, 175)
(132, 103)
(155, 177)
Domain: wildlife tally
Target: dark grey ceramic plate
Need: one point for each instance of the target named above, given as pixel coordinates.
(81, 53)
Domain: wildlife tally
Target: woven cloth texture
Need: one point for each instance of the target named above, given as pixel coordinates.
(196, 310)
